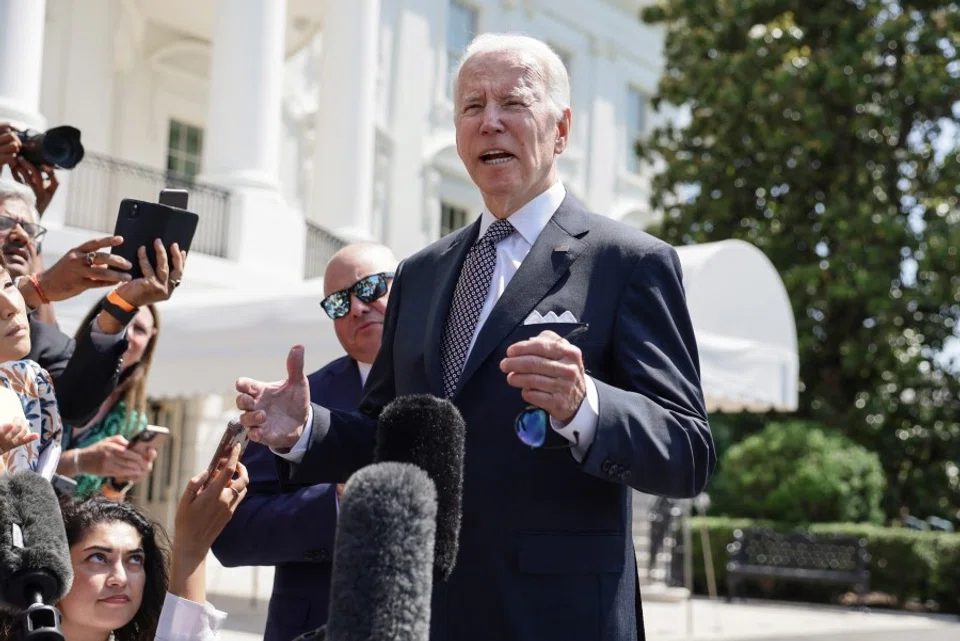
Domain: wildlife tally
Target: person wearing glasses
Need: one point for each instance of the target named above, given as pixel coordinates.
(84, 371)
(558, 429)
(300, 520)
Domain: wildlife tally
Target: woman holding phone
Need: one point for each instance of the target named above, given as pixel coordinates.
(96, 454)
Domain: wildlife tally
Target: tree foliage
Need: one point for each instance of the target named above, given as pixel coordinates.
(825, 133)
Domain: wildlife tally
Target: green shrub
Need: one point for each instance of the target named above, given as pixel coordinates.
(906, 564)
(798, 472)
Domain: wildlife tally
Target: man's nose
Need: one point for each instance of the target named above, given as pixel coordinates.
(491, 119)
(18, 235)
(357, 306)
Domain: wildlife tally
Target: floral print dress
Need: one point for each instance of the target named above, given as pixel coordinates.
(35, 389)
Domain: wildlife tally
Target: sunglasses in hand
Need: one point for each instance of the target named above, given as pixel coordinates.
(367, 289)
(533, 422)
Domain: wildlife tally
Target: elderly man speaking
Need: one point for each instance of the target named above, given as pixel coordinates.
(564, 339)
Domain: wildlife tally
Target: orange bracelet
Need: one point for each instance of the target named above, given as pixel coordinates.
(115, 298)
(36, 285)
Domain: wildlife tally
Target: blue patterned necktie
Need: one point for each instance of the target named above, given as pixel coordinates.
(472, 288)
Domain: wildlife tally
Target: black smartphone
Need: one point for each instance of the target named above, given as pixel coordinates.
(174, 197)
(140, 223)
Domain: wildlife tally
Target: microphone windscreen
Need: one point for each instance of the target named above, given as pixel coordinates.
(382, 577)
(34, 553)
(429, 432)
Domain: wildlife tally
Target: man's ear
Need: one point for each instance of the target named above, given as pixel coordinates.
(563, 131)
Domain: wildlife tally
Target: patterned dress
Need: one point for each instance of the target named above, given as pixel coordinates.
(113, 423)
(35, 389)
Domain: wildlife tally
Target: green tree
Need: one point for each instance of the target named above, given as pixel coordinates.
(824, 132)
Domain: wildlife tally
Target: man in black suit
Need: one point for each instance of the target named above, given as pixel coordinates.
(479, 317)
(300, 520)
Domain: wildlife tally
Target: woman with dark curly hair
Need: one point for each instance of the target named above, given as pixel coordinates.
(121, 587)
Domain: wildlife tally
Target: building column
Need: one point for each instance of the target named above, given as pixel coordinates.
(21, 61)
(242, 135)
(342, 194)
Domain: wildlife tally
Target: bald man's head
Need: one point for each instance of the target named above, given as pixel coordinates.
(361, 328)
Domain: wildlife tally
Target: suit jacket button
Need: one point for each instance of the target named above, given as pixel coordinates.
(310, 554)
(605, 467)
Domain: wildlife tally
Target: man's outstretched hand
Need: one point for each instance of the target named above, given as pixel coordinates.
(276, 412)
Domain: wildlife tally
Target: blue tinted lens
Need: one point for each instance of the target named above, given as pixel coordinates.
(532, 426)
(370, 288)
(336, 305)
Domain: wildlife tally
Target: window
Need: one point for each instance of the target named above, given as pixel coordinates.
(451, 218)
(636, 119)
(461, 28)
(184, 150)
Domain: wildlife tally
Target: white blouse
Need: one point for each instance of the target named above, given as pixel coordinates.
(183, 620)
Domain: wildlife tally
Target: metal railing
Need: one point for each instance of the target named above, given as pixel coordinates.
(99, 183)
(321, 246)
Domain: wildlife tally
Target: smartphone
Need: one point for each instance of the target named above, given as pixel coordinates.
(235, 433)
(174, 197)
(141, 223)
(150, 436)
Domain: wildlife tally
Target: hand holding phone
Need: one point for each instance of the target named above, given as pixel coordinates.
(235, 433)
(152, 436)
(141, 223)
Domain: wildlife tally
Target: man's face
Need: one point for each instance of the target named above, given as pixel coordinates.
(507, 134)
(19, 248)
(361, 329)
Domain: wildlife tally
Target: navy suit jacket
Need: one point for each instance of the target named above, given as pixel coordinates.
(291, 526)
(545, 547)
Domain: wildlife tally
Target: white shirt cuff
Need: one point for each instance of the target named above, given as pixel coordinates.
(295, 453)
(101, 340)
(183, 620)
(583, 422)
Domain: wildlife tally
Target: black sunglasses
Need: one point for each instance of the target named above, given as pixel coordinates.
(367, 289)
(33, 230)
(533, 423)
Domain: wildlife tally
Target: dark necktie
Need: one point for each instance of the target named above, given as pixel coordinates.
(472, 288)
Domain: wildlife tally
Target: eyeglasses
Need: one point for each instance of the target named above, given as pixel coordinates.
(532, 423)
(33, 230)
(368, 289)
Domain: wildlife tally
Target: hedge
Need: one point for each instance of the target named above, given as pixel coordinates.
(909, 565)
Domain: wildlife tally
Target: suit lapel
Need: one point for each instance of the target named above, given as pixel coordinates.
(448, 268)
(550, 258)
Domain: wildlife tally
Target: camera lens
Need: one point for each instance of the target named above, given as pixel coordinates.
(134, 210)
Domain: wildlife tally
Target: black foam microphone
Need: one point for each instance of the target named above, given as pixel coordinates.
(382, 577)
(35, 566)
(429, 432)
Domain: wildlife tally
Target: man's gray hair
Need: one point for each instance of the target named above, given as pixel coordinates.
(12, 190)
(543, 60)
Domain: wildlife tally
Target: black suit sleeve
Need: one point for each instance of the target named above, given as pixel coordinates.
(343, 442)
(652, 432)
(83, 376)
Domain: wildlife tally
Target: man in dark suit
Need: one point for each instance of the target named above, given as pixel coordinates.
(479, 317)
(299, 519)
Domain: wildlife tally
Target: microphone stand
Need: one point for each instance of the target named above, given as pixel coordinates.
(39, 622)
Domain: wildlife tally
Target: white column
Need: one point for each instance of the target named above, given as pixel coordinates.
(603, 146)
(21, 61)
(342, 193)
(242, 137)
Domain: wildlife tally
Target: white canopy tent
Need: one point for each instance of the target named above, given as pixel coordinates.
(744, 325)
(741, 315)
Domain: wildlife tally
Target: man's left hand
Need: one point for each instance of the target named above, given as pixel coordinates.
(549, 372)
(42, 180)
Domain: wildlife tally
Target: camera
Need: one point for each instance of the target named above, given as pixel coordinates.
(59, 146)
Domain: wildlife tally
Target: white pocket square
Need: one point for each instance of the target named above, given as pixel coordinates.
(535, 318)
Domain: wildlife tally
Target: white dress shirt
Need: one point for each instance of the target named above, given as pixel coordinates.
(183, 620)
(529, 221)
(364, 373)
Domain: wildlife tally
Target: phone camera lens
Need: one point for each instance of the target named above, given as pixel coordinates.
(135, 210)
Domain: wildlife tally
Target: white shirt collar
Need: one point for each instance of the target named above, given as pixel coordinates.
(530, 219)
(364, 372)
